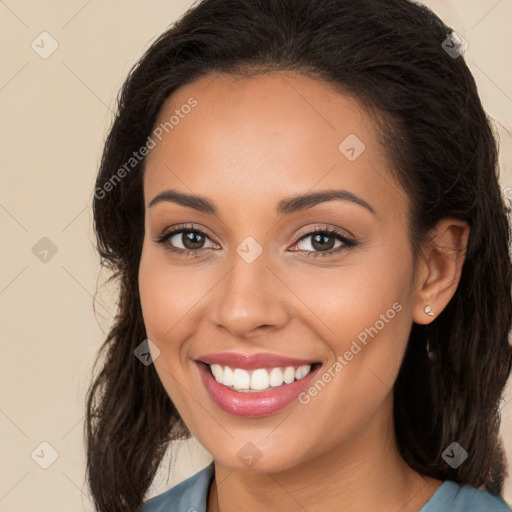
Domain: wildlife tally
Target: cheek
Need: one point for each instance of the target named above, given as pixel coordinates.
(351, 299)
(364, 312)
(167, 294)
(369, 318)
(165, 300)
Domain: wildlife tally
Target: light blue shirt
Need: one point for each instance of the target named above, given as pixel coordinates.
(191, 495)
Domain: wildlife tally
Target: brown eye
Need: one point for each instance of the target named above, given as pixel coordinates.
(185, 240)
(189, 239)
(323, 242)
(319, 242)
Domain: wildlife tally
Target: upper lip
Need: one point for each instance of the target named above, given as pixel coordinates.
(252, 362)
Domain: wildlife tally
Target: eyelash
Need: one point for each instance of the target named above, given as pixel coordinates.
(348, 242)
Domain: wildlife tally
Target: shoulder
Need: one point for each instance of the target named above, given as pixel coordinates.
(452, 497)
(191, 494)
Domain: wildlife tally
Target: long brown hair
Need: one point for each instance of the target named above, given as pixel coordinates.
(390, 55)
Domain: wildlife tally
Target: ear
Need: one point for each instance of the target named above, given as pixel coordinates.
(439, 267)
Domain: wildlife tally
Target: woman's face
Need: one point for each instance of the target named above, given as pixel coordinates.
(257, 279)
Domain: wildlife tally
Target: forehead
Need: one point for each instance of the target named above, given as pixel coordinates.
(261, 137)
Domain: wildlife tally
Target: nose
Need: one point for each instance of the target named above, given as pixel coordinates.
(250, 299)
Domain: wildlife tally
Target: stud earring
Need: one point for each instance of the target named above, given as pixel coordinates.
(428, 311)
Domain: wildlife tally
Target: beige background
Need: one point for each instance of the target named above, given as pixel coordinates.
(54, 116)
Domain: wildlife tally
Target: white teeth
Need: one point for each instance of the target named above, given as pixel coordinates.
(228, 379)
(241, 379)
(217, 372)
(257, 380)
(302, 371)
(289, 374)
(275, 377)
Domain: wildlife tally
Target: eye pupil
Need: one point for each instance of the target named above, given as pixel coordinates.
(188, 238)
(319, 242)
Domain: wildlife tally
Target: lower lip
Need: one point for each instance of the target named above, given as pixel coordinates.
(256, 404)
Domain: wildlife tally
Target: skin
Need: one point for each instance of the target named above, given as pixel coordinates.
(248, 144)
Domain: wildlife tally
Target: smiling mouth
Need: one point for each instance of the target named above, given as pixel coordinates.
(259, 379)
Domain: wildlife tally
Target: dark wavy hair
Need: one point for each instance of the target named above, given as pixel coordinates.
(436, 136)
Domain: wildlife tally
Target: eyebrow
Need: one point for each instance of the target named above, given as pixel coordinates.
(284, 207)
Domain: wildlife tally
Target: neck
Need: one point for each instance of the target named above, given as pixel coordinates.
(366, 473)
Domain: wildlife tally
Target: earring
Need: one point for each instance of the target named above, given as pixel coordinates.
(431, 354)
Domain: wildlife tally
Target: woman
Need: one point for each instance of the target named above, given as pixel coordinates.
(301, 204)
